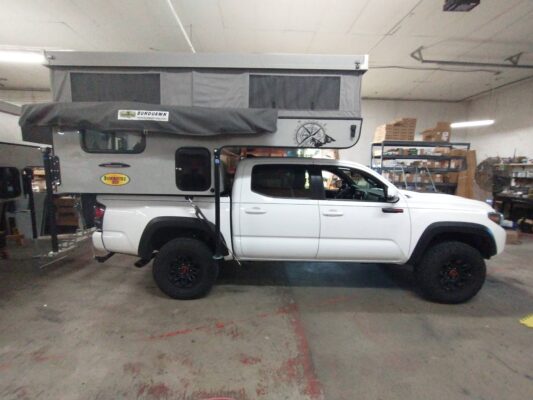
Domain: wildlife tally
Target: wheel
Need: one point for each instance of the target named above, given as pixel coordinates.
(184, 269)
(450, 272)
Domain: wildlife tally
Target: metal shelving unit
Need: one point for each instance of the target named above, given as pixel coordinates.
(379, 156)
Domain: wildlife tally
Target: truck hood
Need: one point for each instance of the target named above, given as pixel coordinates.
(439, 200)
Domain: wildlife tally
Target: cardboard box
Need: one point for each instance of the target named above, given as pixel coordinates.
(451, 177)
(440, 133)
(400, 129)
(465, 178)
(513, 237)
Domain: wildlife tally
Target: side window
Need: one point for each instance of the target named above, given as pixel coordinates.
(121, 142)
(290, 92)
(342, 183)
(193, 169)
(9, 182)
(284, 181)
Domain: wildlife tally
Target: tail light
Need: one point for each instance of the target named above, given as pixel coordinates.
(99, 212)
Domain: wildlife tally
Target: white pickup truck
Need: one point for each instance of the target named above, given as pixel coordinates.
(295, 209)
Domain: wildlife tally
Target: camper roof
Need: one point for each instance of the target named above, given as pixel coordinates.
(208, 60)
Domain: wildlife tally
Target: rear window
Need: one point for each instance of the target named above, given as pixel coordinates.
(122, 142)
(193, 169)
(284, 181)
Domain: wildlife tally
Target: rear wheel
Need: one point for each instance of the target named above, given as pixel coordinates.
(184, 269)
(451, 272)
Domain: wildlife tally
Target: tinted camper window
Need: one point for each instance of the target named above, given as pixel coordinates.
(193, 169)
(115, 87)
(9, 183)
(295, 92)
(112, 142)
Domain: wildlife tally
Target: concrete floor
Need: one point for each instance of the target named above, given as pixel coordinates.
(83, 330)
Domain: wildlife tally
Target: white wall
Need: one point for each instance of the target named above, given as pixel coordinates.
(378, 112)
(9, 128)
(25, 96)
(512, 109)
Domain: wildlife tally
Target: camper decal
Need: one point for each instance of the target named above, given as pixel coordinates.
(312, 134)
(143, 115)
(114, 179)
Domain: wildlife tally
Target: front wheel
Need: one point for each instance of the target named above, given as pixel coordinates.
(450, 272)
(184, 269)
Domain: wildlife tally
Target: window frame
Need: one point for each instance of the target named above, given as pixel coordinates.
(83, 145)
(322, 190)
(210, 178)
(314, 195)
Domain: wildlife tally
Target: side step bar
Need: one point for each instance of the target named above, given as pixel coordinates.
(102, 259)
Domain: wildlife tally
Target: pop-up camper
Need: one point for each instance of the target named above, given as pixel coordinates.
(140, 123)
(155, 123)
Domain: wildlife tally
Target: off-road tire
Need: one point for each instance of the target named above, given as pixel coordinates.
(169, 262)
(434, 277)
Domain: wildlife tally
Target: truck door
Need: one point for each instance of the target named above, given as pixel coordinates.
(277, 215)
(356, 222)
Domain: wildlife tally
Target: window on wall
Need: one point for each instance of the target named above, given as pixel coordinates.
(285, 181)
(144, 88)
(9, 183)
(121, 142)
(288, 92)
(193, 169)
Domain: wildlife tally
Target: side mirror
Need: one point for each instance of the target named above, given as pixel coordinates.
(392, 195)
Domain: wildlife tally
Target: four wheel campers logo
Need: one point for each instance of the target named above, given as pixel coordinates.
(143, 115)
(115, 179)
(312, 134)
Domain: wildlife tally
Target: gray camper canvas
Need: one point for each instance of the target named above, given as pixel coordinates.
(139, 124)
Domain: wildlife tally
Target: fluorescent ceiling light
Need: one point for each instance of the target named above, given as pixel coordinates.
(468, 124)
(23, 57)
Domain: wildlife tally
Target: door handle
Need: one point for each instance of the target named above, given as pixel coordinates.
(333, 213)
(255, 210)
(114, 165)
(392, 210)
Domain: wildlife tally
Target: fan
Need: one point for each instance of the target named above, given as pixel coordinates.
(485, 177)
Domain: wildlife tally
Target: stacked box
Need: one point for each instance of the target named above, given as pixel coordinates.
(440, 133)
(400, 129)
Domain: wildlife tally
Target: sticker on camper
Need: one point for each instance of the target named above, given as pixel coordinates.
(312, 134)
(143, 115)
(115, 179)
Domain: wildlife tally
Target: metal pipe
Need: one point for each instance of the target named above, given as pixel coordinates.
(218, 244)
(51, 210)
(513, 61)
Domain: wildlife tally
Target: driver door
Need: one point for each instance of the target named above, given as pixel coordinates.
(353, 223)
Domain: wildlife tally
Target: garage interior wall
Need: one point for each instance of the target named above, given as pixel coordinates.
(9, 128)
(510, 107)
(378, 112)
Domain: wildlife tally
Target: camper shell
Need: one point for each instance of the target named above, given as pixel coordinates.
(127, 123)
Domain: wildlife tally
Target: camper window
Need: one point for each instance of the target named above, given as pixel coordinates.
(9, 183)
(193, 169)
(113, 142)
(285, 181)
(288, 92)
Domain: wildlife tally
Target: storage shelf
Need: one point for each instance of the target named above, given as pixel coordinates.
(420, 157)
(419, 143)
(420, 169)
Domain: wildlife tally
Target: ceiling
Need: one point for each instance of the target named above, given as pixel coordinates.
(387, 30)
